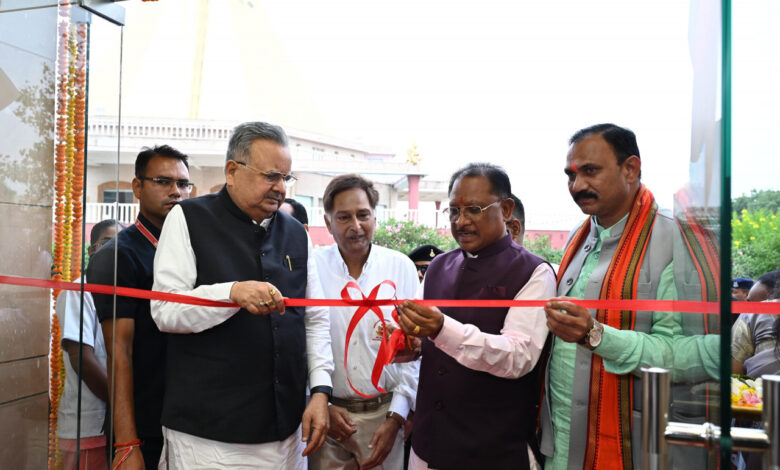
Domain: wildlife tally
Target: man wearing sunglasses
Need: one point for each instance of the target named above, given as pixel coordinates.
(136, 347)
(478, 394)
(236, 386)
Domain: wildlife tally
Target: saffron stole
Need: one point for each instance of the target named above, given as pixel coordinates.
(609, 426)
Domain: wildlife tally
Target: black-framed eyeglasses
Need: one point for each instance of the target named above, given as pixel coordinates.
(272, 177)
(422, 268)
(184, 185)
(470, 212)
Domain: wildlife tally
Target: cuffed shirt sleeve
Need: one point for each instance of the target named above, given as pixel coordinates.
(515, 351)
(687, 357)
(403, 377)
(175, 271)
(317, 322)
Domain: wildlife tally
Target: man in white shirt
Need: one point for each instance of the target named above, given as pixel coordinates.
(236, 381)
(87, 341)
(365, 432)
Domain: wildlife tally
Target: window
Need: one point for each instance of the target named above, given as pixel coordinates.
(124, 196)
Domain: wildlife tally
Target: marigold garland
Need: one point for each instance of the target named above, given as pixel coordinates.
(68, 182)
(80, 100)
(70, 140)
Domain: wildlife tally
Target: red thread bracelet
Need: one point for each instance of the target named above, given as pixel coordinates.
(128, 448)
(134, 443)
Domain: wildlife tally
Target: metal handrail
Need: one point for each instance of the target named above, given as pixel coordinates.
(658, 432)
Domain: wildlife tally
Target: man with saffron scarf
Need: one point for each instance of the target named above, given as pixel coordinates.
(625, 250)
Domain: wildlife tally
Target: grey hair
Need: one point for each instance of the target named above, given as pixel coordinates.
(246, 133)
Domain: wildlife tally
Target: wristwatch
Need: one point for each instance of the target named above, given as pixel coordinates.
(592, 337)
(396, 417)
(322, 389)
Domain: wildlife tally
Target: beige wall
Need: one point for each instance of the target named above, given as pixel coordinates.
(27, 49)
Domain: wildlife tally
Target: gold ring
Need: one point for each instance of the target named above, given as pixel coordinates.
(273, 292)
(416, 330)
(270, 302)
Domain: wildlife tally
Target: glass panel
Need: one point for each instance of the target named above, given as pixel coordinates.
(49, 337)
(756, 202)
(103, 181)
(192, 105)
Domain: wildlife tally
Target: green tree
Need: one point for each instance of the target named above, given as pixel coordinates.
(405, 236)
(541, 246)
(756, 243)
(766, 199)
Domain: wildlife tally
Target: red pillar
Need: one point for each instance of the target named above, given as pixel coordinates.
(414, 194)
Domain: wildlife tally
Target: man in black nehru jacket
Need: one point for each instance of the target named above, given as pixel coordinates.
(236, 381)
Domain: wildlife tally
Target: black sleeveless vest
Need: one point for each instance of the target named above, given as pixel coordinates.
(242, 381)
(466, 418)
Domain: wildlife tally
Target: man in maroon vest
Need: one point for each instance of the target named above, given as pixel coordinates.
(478, 394)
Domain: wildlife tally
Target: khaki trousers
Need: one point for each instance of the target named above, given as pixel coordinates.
(348, 455)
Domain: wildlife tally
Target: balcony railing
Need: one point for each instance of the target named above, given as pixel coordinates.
(97, 211)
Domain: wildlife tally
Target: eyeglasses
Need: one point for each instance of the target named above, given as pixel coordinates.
(184, 185)
(273, 177)
(469, 212)
(422, 268)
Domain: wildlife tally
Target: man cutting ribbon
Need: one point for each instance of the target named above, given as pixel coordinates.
(478, 397)
(236, 383)
(366, 430)
(624, 250)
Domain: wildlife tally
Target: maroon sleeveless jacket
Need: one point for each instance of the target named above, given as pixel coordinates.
(466, 418)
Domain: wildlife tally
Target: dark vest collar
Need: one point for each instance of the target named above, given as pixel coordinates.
(231, 206)
(491, 250)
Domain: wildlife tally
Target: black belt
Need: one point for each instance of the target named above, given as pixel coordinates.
(362, 405)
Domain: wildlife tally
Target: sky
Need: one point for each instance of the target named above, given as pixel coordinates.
(500, 81)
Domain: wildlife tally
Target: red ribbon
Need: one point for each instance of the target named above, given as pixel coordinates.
(682, 306)
(388, 346)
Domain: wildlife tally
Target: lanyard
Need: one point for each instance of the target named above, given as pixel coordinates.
(145, 231)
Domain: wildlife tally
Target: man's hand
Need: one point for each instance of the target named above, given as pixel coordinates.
(382, 442)
(412, 350)
(408, 425)
(341, 427)
(572, 323)
(316, 422)
(258, 298)
(418, 320)
(135, 461)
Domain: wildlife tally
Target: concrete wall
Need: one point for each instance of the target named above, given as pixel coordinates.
(27, 51)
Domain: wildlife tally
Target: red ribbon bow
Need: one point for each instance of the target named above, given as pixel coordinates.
(388, 346)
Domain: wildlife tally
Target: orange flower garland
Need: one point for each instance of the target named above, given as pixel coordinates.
(65, 183)
(70, 140)
(80, 99)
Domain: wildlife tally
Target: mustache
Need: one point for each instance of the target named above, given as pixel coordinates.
(581, 194)
(275, 195)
